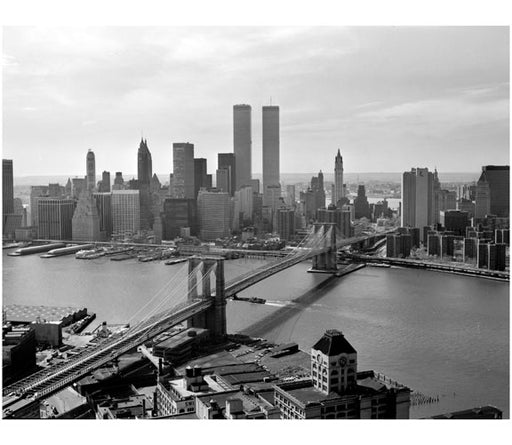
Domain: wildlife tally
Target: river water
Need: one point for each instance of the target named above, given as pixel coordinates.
(440, 334)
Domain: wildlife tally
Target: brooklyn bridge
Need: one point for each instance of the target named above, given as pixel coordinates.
(199, 298)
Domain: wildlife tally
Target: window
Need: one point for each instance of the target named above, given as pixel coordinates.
(334, 381)
(334, 372)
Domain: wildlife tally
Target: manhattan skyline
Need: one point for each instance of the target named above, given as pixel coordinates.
(389, 98)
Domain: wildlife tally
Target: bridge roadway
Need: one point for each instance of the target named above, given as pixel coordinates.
(55, 378)
(50, 380)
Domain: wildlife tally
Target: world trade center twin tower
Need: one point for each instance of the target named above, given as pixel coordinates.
(242, 140)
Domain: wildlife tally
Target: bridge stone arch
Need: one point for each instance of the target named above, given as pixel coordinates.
(214, 318)
(326, 260)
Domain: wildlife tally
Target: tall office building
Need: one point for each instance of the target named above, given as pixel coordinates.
(338, 179)
(286, 223)
(495, 178)
(86, 223)
(270, 148)
(223, 180)
(361, 206)
(214, 211)
(104, 205)
(183, 165)
(144, 176)
(7, 187)
(118, 182)
(105, 182)
(178, 214)
(200, 175)
(55, 217)
(144, 163)
(125, 211)
(227, 160)
(242, 144)
(243, 207)
(91, 170)
(418, 198)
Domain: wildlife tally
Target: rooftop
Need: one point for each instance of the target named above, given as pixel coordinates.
(19, 313)
(333, 342)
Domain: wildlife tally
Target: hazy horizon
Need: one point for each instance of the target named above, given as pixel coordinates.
(389, 97)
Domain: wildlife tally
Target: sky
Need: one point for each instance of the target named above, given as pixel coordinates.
(390, 98)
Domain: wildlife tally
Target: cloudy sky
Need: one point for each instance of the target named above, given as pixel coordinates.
(391, 98)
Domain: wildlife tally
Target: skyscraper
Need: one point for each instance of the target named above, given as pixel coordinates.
(86, 223)
(214, 210)
(338, 178)
(418, 198)
(200, 175)
(270, 148)
(125, 211)
(55, 218)
(183, 164)
(498, 179)
(144, 176)
(7, 187)
(105, 182)
(91, 170)
(242, 144)
(227, 160)
(144, 163)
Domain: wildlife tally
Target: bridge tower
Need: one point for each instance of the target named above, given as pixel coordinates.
(325, 262)
(214, 318)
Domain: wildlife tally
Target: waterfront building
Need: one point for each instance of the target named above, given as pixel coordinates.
(200, 175)
(183, 167)
(433, 244)
(399, 245)
(337, 390)
(18, 352)
(227, 161)
(270, 143)
(7, 187)
(105, 183)
(125, 212)
(447, 246)
(55, 218)
(482, 255)
(361, 206)
(496, 257)
(214, 211)
(470, 250)
(418, 198)
(286, 223)
(502, 236)
(91, 170)
(118, 182)
(104, 205)
(242, 144)
(493, 186)
(86, 222)
(338, 179)
(455, 221)
(178, 214)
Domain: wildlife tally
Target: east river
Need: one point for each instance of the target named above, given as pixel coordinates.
(440, 334)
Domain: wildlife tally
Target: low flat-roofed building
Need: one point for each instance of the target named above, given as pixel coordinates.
(180, 346)
(177, 396)
(18, 313)
(234, 404)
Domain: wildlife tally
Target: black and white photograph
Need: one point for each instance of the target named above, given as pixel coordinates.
(255, 222)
